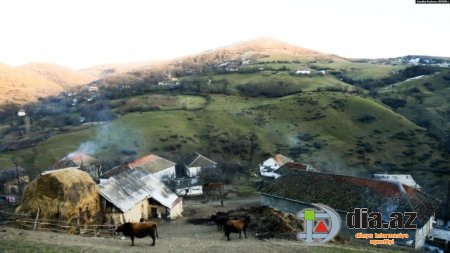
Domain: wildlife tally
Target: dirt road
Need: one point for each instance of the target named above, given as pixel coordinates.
(177, 236)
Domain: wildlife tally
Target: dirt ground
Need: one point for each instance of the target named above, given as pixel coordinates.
(180, 235)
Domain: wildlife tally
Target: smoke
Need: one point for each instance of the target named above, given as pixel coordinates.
(108, 137)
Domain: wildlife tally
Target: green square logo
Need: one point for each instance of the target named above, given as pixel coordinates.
(309, 214)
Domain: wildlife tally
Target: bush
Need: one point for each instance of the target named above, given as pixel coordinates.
(366, 119)
(394, 102)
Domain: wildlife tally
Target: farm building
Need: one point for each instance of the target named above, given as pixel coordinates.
(194, 163)
(115, 171)
(135, 194)
(83, 161)
(270, 165)
(290, 166)
(159, 167)
(66, 194)
(405, 179)
(300, 189)
(10, 183)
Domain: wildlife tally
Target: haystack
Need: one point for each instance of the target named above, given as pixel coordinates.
(67, 195)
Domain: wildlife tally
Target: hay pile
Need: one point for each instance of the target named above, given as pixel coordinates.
(268, 222)
(62, 195)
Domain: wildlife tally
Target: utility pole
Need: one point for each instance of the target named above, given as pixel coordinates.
(447, 211)
(18, 176)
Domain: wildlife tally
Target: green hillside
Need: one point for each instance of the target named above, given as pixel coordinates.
(333, 131)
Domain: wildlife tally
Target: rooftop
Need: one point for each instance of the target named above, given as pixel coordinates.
(197, 160)
(152, 163)
(281, 159)
(345, 193)
(130, 187)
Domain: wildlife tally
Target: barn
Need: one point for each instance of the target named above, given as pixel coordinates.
(69, 195)
(135, 194)
(83, 161)
(300, 189)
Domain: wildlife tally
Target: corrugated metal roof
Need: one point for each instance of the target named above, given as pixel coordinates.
(130, 187)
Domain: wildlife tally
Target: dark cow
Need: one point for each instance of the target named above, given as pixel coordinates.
(139, 230)
(220, 218)
(236, 226)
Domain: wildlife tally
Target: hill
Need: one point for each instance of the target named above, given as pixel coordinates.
(64, 77)
(238, 104)
(20, 86)
(29, 82)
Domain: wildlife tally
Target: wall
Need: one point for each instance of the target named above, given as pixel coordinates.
(193, 171)
(192, 191)
(168, 173)
(423, 232)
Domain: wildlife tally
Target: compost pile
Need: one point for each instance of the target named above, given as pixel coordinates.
(267, 222)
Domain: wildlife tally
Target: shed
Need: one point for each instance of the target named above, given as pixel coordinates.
(135, 194)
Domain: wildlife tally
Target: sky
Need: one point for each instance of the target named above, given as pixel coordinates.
(83, 33)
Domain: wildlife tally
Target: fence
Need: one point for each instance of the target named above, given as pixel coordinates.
(38, 224)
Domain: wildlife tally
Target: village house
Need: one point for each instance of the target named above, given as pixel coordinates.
(92, 88)
(303, 72)
(193, 164)
(268, 167)
(405, 179)
(300, 189)
(135, 194)
(85, 163)
(229, 66)
(289, 166)
(159, 167)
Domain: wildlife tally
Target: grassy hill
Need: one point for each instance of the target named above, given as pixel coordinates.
(337, 132)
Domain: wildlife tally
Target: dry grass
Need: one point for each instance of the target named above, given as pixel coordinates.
(62, 195)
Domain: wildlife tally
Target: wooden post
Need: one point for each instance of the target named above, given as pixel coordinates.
(35, 221)
(78, 221)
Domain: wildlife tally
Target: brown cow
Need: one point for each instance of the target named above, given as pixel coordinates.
(139, 230)
(236, 226)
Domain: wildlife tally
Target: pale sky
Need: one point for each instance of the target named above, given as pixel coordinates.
(83, 33)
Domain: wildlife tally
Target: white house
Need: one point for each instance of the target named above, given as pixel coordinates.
(303, 72)
(194, 163)
(405, 179)
(269, 166)
(93, 88)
